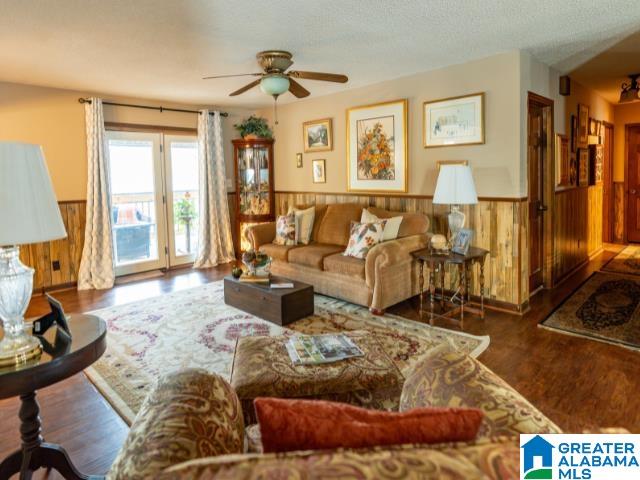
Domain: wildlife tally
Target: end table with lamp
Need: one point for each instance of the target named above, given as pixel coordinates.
(29, 213)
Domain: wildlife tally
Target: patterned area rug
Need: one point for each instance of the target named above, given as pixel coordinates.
(627, 261)
(195, 328)
(604, 308)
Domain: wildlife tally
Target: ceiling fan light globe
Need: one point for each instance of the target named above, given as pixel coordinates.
(274, 84)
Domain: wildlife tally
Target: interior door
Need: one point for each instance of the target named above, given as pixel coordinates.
(633, 182)
(137, 196)
(181, 167)
(535, 155)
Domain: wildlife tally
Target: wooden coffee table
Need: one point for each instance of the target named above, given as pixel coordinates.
(277, 305)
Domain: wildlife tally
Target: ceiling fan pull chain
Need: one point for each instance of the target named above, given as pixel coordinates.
(275, 108)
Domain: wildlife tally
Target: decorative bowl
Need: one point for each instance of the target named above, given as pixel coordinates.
(257, 263)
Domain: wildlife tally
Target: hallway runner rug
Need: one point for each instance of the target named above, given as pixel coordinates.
(604, 308)
(627, 261)
(195, 328)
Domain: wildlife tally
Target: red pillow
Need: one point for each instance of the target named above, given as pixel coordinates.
(287, 425)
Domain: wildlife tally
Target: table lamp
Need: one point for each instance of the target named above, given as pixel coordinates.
(455, 187)
(29, 213)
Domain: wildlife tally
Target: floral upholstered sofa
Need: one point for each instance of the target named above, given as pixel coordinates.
(385, 277)
(191, 427)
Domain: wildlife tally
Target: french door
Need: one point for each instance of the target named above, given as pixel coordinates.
(154, 196)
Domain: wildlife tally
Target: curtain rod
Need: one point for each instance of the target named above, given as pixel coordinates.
(147, 107)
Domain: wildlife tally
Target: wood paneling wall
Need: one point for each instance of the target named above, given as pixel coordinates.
(66, 252)
(497, 224)
(618, 212)
(577, 227)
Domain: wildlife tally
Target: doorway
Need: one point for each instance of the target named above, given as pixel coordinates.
(632, 179)
(154, 197)
(540, 169)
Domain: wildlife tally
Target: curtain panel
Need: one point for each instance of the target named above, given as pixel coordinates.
(215, 243)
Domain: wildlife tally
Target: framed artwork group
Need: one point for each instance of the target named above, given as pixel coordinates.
(377, 139)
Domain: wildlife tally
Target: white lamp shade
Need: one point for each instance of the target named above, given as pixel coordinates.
(29, 212)
(455, 186)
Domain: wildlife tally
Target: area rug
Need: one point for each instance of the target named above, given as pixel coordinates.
(195, 328)
(627, 261)
(604, 308)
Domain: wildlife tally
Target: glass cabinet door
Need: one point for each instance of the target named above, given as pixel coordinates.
(254, 181)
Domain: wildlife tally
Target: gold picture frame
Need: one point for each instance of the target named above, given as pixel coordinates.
(439, 163)
(583, 125)
(457, 135)
(374, 121)
(319, 171)
(320, 132)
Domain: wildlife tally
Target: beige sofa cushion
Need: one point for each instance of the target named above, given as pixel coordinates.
(338, 263)
(277, 252)
(413, 223)
(313, 255)
(336, 224)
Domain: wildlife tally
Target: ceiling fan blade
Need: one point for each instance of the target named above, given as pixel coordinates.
(297, 89)
(245, 88)
(327, 77)
(227, 76)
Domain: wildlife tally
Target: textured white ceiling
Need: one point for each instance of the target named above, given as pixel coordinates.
(161, 48)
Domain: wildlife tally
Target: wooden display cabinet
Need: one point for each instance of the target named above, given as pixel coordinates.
(255, 198)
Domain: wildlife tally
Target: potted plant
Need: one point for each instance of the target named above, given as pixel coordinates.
(253, 128)
(184, 212)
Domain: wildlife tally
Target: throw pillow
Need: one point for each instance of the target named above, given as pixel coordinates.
(291, 424)
(285, 230)
(304, 223)
(363, 237)
(391, 229)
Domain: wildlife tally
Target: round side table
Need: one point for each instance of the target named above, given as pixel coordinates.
(61, 358)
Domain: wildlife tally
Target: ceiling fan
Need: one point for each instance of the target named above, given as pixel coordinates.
(275, 80)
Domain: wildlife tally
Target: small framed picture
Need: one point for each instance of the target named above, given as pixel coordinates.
(317, 135)
(583, 125)
(462, 241)
(583, 167)
(574, 133)
(299, 160)
(318, 168)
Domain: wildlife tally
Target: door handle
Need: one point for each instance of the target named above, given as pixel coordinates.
(542, 208)
(632, 191)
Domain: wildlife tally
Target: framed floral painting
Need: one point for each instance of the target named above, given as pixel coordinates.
(377, 147)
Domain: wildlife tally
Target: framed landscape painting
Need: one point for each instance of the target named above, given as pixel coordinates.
(454, 121)
(377, 147)
(317, 135)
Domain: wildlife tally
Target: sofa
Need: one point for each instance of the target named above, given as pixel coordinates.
(191, 427)
(387, 275)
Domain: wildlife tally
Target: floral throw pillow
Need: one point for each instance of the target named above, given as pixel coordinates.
(364, 236)
(286, 230)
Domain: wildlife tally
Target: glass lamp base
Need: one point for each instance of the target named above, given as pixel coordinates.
(19, 349)
(456, 221)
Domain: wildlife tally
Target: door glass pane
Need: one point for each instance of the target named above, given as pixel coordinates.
(135, 228)
(184, 181)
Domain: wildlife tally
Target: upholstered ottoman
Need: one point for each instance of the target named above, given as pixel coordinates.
(262, 368)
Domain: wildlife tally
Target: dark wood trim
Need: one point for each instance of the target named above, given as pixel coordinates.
(571, 272)
(548, 187)
(394, 195)
(608, 227)
(134, 127)
(66, 202)
(626, 178)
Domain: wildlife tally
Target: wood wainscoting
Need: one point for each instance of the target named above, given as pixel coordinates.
(57, 263)
(578, 228)
(619, 227)
(500, 226)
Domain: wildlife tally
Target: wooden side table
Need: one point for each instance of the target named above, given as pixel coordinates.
(465, 264)
(60, 359)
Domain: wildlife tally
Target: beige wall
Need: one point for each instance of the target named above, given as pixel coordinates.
(625, 114)
(54, 119)
(495, 164)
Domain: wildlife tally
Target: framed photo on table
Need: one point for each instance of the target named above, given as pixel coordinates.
(454, 121)
(317, 135)
(462, 241)
(377, 148)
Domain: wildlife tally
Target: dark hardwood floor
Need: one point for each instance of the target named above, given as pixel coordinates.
(578, 383)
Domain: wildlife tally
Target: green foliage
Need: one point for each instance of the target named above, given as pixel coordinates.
(184, 211)
(254, 125)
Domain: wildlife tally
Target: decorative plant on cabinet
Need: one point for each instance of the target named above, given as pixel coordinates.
(255, 199)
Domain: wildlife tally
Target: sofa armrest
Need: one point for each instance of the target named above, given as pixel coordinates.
(390, 253)
(190, 414)
(261, 234)
(446, 377)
